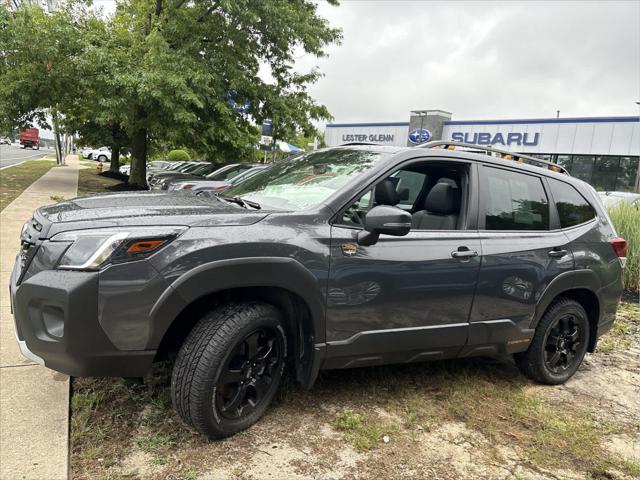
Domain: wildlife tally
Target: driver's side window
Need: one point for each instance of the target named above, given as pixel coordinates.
(403, 185)
(353, 216)
(432, 192)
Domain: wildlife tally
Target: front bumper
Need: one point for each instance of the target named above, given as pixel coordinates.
(56, 320)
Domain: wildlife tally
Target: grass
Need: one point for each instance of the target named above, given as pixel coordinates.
(90, 181)
(624, 330)
(14, 180)
(363, 431)
(626, 219)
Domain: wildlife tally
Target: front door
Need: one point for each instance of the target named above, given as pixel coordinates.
(402, 299)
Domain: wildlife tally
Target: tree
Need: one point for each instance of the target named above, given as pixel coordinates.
(37, 67)
(180, 72)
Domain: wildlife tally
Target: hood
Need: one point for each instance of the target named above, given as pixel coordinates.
(145, 208)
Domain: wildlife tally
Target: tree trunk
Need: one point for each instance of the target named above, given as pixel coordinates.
(138, 174)
(115, 158)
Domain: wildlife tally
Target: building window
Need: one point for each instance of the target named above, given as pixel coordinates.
(582, 167)
(627, 174)
(605, 171)
(564, 161)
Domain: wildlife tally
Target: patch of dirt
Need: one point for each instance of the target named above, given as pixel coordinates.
(607, 385)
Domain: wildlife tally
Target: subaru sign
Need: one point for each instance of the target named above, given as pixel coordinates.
(486, 138)
(419, 135)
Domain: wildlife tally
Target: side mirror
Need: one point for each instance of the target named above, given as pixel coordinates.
(386, 220)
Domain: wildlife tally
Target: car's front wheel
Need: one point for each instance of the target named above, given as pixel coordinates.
(559, 344)
(102, 158)
(229, 368)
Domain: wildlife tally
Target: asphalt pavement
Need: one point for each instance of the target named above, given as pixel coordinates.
(10, 154)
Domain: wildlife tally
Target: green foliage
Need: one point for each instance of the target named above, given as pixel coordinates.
(178, 156)
(164, 72)
(626, 219)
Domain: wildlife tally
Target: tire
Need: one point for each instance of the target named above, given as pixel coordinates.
(559, 344)
(215, 368)
(102, 158)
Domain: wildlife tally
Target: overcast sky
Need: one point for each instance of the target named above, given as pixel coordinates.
(480, 60)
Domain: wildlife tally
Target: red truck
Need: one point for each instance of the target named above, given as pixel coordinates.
(30, 138)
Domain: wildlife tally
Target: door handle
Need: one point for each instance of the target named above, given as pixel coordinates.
(557, 253)
(466, 253)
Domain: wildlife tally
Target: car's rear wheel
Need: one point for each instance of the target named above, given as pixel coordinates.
(229, 368)
(102, 158)
(559, 344)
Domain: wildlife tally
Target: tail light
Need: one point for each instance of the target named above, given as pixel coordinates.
(620, 247)
(222, 187)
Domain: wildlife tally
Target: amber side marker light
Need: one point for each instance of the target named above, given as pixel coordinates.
(143, 246)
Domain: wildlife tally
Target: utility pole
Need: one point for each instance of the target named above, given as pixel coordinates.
(557, 113)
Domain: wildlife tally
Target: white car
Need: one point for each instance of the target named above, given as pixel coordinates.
(102, 154)
(5, 141)
(86, 152)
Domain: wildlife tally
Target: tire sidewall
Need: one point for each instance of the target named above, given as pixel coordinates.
(230, 426)
(583, 324)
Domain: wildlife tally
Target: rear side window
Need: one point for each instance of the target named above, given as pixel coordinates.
(514, 201)
(572, 207)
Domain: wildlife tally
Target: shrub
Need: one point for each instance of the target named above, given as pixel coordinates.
(178, 156)
(626, 219)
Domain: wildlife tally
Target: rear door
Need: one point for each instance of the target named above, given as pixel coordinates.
(523, 252)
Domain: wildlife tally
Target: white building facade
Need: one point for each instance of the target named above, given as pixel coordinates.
(604, 151)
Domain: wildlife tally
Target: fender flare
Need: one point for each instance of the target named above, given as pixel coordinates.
(585, 279)
(217, 276)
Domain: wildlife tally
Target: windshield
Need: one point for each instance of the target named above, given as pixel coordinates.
(204, 169)
(228, 172)
(190, 167)
(304, 181)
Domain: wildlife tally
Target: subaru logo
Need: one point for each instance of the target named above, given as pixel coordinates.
(419, 135)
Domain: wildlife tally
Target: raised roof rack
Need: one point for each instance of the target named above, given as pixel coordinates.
(496, 152)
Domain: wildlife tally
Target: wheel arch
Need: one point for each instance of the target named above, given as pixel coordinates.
(282, 282)
(581, 286)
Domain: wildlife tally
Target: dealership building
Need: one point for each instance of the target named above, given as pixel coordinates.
(604, 151)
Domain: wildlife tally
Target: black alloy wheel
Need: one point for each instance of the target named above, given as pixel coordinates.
(562, 344)
(248, 375)
(229, 368)
(559, 343)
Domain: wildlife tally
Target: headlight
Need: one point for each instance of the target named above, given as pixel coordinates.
(92, 249)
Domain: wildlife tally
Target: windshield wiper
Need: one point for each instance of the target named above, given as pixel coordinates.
(242, 202)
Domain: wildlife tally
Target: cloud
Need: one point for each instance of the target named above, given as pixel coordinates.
(480, 60)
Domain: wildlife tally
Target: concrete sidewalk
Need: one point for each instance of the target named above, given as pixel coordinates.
(34, 401)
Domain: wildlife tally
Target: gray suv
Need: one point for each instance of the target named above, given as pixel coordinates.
(339, 258)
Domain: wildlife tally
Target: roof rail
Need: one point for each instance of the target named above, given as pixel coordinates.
(504, 154)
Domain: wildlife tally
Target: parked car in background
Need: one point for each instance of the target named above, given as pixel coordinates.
(153, 166)
(5, 141)
(215, 185)
(221, 174)
(614, 199)
(158, 165)
(102, 154)
(30, 138)
(154, 178)
(196, 173)
(86, 152)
